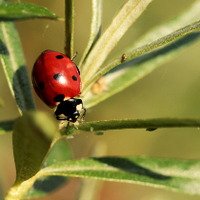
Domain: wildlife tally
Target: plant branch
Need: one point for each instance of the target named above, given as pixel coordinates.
(69, 27)
(148, 124)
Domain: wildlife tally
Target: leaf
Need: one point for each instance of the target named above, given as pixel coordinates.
(184, 18)
(149, 124)
(90, 189)
(10, 11)
(43, 186)
(118, 80)
(130, 72)
(129, 12)
(14, 66)
(95, 29)
(6, 126)
(149, 47)
(177, 175)
(69, 28)
(32, 137)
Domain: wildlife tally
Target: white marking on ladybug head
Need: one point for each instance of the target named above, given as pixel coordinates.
(79, 106)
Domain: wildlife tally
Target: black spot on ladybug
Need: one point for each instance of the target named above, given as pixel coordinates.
(59, 98)
(41, 85)
(74, 78)
(59, 57)
(57, 76)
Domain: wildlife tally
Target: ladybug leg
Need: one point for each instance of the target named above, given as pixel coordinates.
(83, 115)
(79, 107)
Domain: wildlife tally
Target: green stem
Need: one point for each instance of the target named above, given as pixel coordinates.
(17, 191)
(69, 27)
(149, 124)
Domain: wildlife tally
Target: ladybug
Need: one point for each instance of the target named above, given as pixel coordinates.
(56, 80)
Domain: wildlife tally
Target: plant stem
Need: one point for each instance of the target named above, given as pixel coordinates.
(69, 27)
(148, 124)
(17, 191)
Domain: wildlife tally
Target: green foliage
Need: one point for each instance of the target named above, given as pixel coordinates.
(10, 11)
(129, 12)
(42, 157)
(178, 175)
(31, 142)
(95, 29)
(14, 66)
(69, 28)
(148, 124)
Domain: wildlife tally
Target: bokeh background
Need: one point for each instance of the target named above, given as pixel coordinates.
(172, 90)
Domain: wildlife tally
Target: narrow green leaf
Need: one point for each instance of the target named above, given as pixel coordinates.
(117, 81)
(90, 188)
(130, 72)
(6, 126)
(149, 47)
(69, 28)
(14, 66)
(95, 29)
(188, 16)
(129, 12)
(10, 11)
(43, 186)
(177, 175)
(32, 136)
(149, 124)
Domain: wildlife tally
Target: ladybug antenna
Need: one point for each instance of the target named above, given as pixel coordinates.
(74, 56)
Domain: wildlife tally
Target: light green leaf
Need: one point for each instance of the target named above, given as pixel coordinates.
(14, 66)
(90, 188)
(130, 72)
(6, 126)
(43, 186)
(149, 124)
(129, 12)
(139, 67)
(188, 16)
(177, 175)
(95, 29)
(32, 137)
(69, 28)
(149, 47)
(10, 11)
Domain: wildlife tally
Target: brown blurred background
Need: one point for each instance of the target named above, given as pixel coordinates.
(170, 91)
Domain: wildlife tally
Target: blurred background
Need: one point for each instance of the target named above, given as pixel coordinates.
(172, 90)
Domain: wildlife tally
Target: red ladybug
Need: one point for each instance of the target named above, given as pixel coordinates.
(56, 80)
